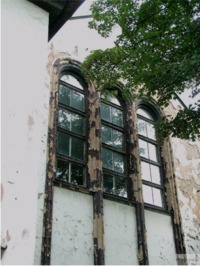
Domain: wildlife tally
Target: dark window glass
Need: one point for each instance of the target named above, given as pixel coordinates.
(71, 131)
(113, 151)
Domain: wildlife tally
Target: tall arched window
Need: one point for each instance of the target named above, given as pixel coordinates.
(71, 125)
(152, 179)
(113, 147)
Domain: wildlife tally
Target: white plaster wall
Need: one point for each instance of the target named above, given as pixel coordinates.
(120, 234)
(72, 239)
(24, 110)
(160, 239)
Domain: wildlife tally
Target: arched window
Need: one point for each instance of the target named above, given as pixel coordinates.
(71, 130)
(113, 147)
(152, 179)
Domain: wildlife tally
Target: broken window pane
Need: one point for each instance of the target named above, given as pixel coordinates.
(77, 174)
(121, 187)
(62, 171)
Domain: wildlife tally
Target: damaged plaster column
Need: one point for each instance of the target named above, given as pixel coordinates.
(135, 175)
(172, 201)
(95, 177)
(51, 159)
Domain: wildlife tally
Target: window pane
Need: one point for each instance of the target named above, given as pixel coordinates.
(147, 194)
(155, 174)
(77, 150)
(77, 176)
(152, 152)
(63, 144)
(62, 171)
(77, 101)
(112, 137)
(106, 135)
(64, 95)
(121, 187)
(146, 175)
(118, 161)
(144, 113)
(106, 112)
(143, 148)
(71, 80)
(77, 124)
(108, 183)
(157, 196)
(117, 139)
(107, 159)
(64, 118)
(111, 98)
(150, 131)
(142, 130)
(117, 117)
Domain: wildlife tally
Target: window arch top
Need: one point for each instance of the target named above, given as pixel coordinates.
(72, 80)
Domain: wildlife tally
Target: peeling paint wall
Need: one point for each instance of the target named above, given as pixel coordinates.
(120, 234)
(160, 239)
(25, 100)
(72, 239)
(187, 172)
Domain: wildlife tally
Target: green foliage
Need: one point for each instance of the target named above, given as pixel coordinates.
(156, 54)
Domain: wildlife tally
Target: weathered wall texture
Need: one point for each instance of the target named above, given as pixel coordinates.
(120, 234)
(25, 99)
(186, 160)
(72, 239)
(187, 171)
(160, 239)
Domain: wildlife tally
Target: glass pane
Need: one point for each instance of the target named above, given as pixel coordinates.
(152, 152)
(117, 117)
(147, 194)
(121, 187)
(64, 118)
(144, 113)
(155, 174)
(62, 171)
(146, 175)
(151, 131)
(106, 135)
(117, 139)
(142, 127)
(108, 183)
(77, 174)
(63, 144)
(77, 148)
(64, 95)
(106, 112)
(157, 196)
(112, 137)
(118, 162)
(72, 80)
(107, 159)
(77, 101)
(113, 99)
(77, 124)
(143, 146)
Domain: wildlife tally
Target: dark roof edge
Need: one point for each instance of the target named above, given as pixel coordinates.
(66, 13)
(59, 12)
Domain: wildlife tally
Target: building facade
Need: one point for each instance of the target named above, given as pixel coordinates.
(84, 180)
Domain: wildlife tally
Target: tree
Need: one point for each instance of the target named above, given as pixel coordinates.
(157, 53)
